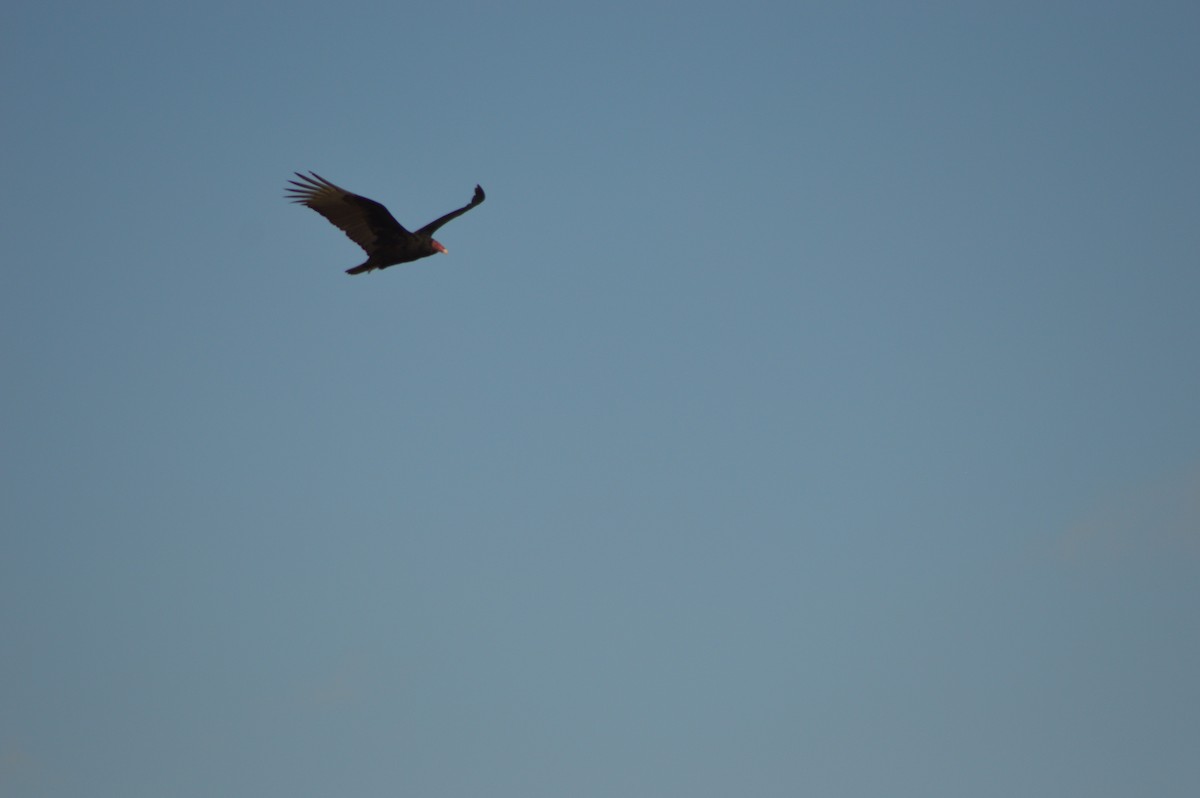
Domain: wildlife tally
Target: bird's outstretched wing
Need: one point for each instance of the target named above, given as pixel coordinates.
(365, 221)
(430, 228)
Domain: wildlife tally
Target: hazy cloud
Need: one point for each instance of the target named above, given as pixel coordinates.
(1162, 516)
(19, 771)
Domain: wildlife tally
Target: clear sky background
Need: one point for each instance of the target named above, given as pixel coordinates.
(811, 409)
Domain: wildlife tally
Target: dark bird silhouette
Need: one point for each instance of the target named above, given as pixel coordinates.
(369, 224)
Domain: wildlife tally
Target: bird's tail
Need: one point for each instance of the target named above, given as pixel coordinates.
(362, 267)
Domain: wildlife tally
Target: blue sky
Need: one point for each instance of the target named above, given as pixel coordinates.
(809, 410)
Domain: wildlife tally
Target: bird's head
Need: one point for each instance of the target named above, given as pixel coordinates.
(437, 247)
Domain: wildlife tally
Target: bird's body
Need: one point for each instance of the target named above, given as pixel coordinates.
(369, 224)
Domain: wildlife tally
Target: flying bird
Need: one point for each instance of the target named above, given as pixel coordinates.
(369, 224)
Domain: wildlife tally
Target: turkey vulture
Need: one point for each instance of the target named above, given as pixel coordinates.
(369, 224)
